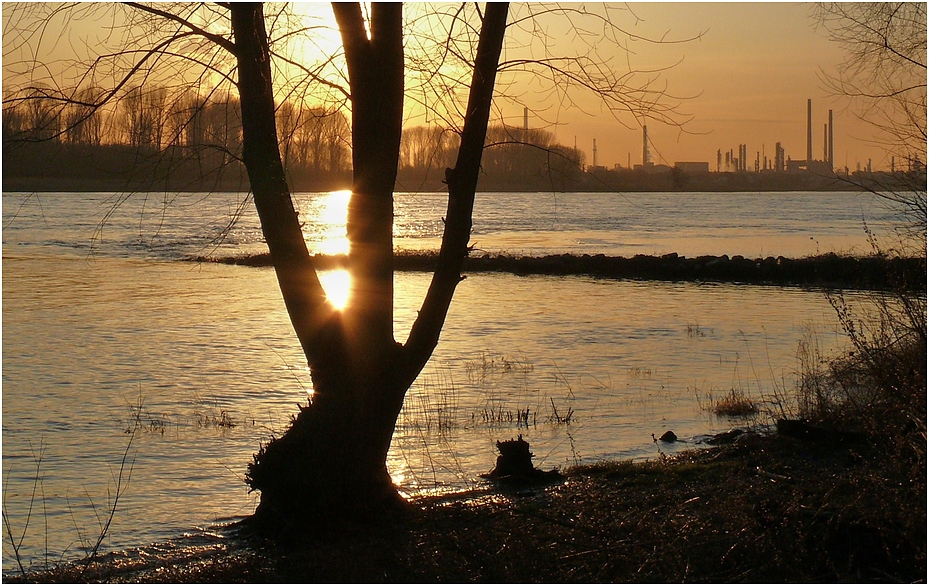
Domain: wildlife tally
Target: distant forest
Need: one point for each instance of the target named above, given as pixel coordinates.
(195, 144)
(151, 143)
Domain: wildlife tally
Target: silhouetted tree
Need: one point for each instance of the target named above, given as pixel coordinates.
(530, 157)
(14, 123)
(313, 138)
(83, 125)
(142, 117)
(427, 147)
(37, 118)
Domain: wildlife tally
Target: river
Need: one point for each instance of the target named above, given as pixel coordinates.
(112, 338)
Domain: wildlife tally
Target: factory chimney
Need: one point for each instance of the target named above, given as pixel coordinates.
(826, 143)
(831, 152)
(526, 120)
(809, 130)
(645, 155)
(595, 152)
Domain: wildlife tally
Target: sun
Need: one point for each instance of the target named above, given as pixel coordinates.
(320, 40)
(337, 285)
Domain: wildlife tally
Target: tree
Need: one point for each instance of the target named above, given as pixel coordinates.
(142, 117)
(331, 462)
(84, 127)
(529, 157)
(426, 147)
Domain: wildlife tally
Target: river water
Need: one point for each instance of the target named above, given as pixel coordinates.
(129, 369)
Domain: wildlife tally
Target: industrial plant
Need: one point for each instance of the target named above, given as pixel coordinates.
(737, 160)
(737, 170)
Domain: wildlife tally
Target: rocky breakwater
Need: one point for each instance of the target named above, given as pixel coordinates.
(827, 270)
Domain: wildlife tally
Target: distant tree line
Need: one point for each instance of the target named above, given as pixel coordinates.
(194, 142)
(514, 159)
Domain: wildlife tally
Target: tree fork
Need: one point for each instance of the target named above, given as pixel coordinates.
(332, 460)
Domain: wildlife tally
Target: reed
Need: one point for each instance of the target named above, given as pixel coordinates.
(877, 385)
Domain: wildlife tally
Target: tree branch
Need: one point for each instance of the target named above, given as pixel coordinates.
(219, 40)
(462, 184)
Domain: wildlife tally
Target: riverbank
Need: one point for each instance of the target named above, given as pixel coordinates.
(768, 508)
(827, 270)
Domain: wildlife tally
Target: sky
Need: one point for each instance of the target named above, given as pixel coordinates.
(748, 78)
(744, 79)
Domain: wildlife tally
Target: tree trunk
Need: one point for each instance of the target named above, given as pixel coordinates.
(331, 463)
(332, 460)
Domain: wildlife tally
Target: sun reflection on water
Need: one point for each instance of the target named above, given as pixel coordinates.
(328, 216)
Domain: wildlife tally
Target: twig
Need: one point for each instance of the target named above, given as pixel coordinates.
(17, 546)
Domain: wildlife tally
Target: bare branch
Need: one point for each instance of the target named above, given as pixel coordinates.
(219, 40)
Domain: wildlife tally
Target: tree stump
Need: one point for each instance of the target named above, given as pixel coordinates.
(515, 464)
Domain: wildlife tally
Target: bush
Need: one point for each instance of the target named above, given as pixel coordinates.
(878, 386)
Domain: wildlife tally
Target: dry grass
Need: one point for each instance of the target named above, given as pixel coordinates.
(878, 386)
(735, 404)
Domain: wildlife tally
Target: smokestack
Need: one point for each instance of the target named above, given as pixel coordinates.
(595, 152)
(826, 143)
(809, 129)
(525, 119)
(645, 155)
(831, 152)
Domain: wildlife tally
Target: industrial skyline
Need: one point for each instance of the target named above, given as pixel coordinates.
(728, 162)
(738, 72)
(743, 82)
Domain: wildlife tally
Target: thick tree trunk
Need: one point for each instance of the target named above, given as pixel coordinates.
(333, 458)
(331, 462)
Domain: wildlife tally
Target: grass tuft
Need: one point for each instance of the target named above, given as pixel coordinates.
(735, 404)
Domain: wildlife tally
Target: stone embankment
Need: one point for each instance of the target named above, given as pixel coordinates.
(827, 270)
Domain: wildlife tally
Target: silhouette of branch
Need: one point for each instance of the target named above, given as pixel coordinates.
(218, 39)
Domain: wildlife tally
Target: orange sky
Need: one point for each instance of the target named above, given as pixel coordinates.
(749, 76)
(751, 73)
(747, 80)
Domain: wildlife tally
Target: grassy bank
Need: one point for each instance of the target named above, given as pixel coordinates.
(765, 509)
